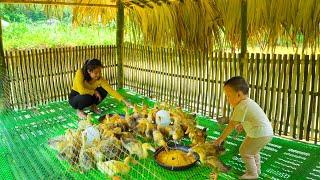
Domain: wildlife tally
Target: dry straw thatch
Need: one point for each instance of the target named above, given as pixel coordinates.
(206, 23)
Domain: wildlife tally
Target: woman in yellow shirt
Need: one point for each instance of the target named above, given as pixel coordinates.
(89, 88)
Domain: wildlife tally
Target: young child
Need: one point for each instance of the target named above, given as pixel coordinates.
(89, 88)
(248, 116)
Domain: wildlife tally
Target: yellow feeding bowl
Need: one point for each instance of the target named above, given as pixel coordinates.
(176, 158)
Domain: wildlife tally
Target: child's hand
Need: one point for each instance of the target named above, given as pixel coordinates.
(239, 128)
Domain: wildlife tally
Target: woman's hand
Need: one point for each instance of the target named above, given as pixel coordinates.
(218, 141)
(97, 94)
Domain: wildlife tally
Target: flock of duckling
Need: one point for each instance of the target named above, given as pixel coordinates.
(115, 137)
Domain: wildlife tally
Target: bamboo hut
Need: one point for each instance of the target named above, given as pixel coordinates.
(180, 52)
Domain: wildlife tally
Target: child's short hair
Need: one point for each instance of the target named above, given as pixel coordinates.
(238, 83)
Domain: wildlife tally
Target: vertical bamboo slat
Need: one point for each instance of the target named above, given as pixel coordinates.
(305, 99)
(311, 116)
(268, 84)
(251, 79)
(303, 95)
(279, 97)
(198, 80)
(211, 83)
(272, 102)
(216, 94)
(207, 94)
(257, 79)
(220, 75)
(289, 94)
(317, 123)
(263, 86)
(284, 93)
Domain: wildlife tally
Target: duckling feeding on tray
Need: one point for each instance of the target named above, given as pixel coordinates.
(114, 167)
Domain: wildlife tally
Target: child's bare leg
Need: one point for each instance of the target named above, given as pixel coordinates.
(251, 168)
(249, 148)
(246, 148)
(257, 160)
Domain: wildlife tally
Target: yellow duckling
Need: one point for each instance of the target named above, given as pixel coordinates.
(197, 136)
(158, 139)
(114, 167)
(131, 120)
(137, 148)
(205, 150)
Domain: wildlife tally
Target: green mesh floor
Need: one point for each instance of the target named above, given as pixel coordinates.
(24, 153)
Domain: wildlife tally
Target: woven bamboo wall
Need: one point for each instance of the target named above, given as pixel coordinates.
(286, 86)
(39, 76)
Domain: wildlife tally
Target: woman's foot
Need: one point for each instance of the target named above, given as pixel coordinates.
(95, 109)
(81, 114)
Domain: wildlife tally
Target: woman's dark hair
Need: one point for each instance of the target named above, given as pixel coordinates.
(90, 65)
(238, 83)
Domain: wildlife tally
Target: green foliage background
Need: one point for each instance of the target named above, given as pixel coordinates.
(29, 28)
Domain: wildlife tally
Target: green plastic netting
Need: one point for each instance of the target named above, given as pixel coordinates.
(24, 153)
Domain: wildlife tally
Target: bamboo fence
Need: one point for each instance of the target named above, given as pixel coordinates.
(38, 76)
(285, 86)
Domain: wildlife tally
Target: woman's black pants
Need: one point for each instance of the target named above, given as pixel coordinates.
(80, 102)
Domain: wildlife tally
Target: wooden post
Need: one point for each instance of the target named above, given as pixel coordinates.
(243, 33)
(120, 28)
(2, 72)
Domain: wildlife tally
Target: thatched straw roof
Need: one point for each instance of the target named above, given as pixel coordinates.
(204, 23)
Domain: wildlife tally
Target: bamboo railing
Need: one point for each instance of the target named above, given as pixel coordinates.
(286, 86)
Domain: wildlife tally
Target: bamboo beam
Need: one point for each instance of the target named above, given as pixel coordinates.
(120, 28)
(2, 71)
(57, 3)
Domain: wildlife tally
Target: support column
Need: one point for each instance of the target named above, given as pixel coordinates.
(120, 30)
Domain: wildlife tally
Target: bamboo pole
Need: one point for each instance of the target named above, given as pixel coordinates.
(206, 96)
(120, 29)
(273, 86)
(268, 88)
(216, 85)
(284, 105)
(312, 100)
(263, 86)
(178, 71)
(211, 85)
(189, 81)
(289, 105)
(317, 126)
(305, 98)
(297, 107)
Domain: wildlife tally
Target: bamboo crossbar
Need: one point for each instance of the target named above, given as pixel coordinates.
(287, 87)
